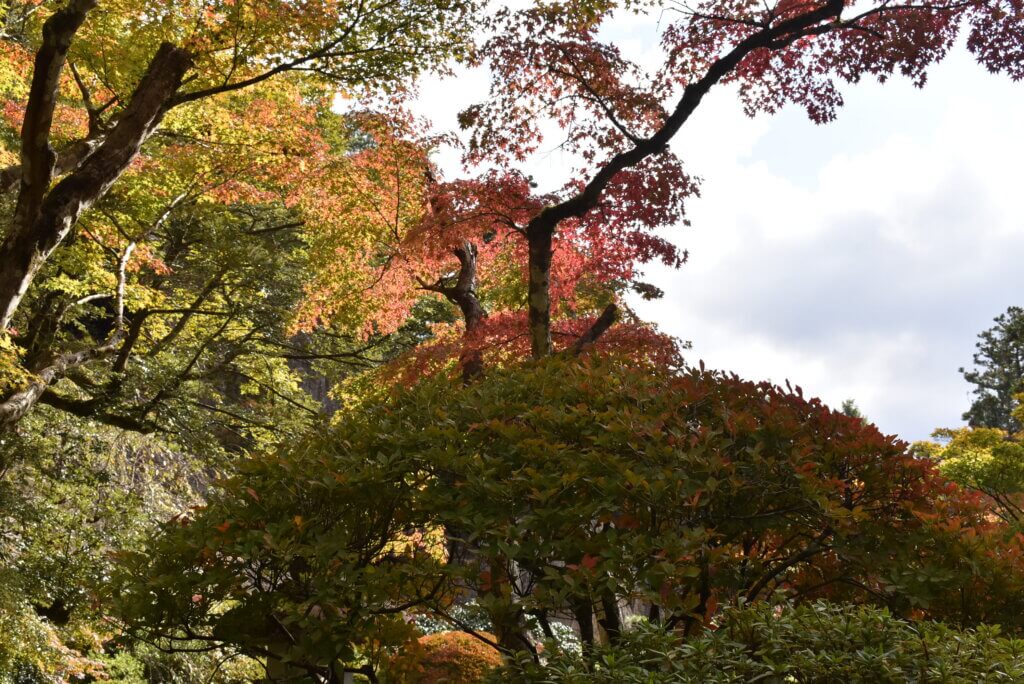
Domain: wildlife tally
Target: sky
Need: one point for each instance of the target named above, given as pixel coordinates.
(858, 259)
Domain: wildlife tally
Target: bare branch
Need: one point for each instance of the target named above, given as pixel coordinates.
(604, 321)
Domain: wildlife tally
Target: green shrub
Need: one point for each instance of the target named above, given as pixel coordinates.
(819, 642)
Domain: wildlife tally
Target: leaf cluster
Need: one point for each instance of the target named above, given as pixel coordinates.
(817, 642)
(563, 489)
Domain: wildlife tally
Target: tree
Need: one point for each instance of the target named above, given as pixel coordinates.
(549, 63)
(573, 487)
(152, 92)
(193, 238)
(571, 251)
(998, 374)
(319, 587)
(849, 408)
(983, 459)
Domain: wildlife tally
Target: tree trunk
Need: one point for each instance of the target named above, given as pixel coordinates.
(611, 620)
(540, 239)
(37, 157)
(463, 295)
(583, 611)
(43, 219)
(472, 360)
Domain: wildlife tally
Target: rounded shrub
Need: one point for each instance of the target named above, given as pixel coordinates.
(445, 658)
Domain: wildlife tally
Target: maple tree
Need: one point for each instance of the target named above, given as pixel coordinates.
(129, 121)
(572, 250)
(567, 252)
(168, 306)
(548, 61)
(198, 227)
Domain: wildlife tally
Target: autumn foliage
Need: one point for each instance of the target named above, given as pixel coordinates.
(445, 657)
(566, 488)
(211, 206)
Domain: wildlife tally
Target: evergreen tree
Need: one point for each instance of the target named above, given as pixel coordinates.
(998, 374)
(850, 408)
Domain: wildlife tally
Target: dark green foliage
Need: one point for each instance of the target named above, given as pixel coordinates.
(309, 558)
(814, 643)
(998, 374)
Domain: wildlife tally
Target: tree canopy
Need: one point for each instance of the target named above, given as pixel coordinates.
(274, 385)
(565, 488)
(998, 375)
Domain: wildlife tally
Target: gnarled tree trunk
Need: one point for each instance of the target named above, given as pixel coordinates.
(43, 219)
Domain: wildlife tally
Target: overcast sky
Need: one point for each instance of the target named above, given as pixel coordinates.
(859, 259)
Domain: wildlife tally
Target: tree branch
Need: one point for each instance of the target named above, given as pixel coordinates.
(541, 227)
(816, 546)
(68, 159)
(40, 226)
(89, 408)
(18, 404)
(604, 321)
(187, 314)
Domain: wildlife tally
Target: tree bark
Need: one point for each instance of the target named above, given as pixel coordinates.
(43, 219)
(604, 321)
(463, 295)
(541, 228)
(539, 237)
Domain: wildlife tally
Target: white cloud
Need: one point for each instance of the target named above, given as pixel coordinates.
(858, 259)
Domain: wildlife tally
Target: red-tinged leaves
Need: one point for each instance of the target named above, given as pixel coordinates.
(710, 608)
